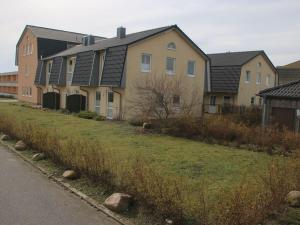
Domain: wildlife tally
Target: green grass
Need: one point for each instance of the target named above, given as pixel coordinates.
(218, 166)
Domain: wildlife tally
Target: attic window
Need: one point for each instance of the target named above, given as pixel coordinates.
(171, 46)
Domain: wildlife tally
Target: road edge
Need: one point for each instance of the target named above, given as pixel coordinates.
(92, 202)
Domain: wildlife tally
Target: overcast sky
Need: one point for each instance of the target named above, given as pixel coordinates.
(215, 25)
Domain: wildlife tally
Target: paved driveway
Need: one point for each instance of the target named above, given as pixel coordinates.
(28, 198)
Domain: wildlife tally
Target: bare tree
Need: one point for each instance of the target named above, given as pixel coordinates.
(162, 97)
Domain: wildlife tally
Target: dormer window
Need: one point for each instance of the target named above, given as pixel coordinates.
(171, 46)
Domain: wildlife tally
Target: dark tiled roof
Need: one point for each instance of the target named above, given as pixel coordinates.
(61, 35)
(58, 71)
(286, 75)
(40, 76)
(290, 90)
(83, 68)
(225, 79)
(232, 58)
(114, 66)
(112, 42)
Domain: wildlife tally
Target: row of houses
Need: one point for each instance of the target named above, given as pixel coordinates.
(60, 69)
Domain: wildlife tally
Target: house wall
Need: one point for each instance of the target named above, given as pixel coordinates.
(248, 90)
(157, 47)
(27, 68)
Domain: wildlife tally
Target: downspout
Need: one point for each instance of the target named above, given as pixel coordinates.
(87, 98)
(120, 103)
(264, 112)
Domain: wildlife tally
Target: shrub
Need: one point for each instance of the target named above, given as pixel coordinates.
(136, 122)
(86, 114)
(99, 118)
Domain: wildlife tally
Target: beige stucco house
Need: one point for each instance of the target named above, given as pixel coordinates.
(236, 77)
(101, 76)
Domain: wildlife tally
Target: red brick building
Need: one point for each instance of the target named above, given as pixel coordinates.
(9, 84)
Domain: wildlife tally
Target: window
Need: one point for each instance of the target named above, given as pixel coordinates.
(258, 78)
(70, 69)
(247, 76)
(170, 67)
(226, 100)
(146, 63)
(29, 91)
(24, 50)
(29, 49)
(97, 102)
(49, 67)
(213, 99)
(259, 65)
(171, 46)
(252, 100)
(268, 80)
(176, 100)
(191, 68)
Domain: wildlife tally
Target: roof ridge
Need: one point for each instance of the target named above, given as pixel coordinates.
(28, 25)
(235, 52)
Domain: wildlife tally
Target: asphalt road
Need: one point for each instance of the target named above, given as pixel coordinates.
(28, 198)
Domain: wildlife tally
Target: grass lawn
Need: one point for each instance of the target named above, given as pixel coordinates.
(218, 166)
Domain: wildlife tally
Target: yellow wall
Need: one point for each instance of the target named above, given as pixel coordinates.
(248, 90)
(157, 47)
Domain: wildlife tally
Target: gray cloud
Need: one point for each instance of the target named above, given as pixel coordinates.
(216, 25)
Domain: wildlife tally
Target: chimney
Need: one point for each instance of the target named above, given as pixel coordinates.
(121, 32)
(88, 40)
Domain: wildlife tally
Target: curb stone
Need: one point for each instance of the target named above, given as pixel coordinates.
(92, 202)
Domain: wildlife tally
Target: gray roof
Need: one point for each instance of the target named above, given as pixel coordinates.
(112, 42)
(54, 34)
(232, 58)
(290, 90)
(129, 39)
(40, 76)
(114, 66)
(226, 69)
(225, 79)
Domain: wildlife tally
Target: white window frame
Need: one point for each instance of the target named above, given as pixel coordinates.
(258, 78)
(212, 100)
(194, 74)
(248, 72)
(150, 64)
(110, 106)
(171, 72)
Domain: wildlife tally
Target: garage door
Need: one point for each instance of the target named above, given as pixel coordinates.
(284, 117)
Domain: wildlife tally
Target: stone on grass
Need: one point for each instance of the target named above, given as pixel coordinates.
(38, 157)
(5, 137)
(20, 146)
(293, 198)
(147, 125)
(118, 202)
(70, 174)
(168, 221)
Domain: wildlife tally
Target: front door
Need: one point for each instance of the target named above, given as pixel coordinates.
(110, 101)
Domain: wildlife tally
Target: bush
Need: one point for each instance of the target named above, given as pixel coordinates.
(99, 118)
(136, 122)
(86, 115)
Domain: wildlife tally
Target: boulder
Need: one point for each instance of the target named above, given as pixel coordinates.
(38, 157)
(70, 174)
(118, 202)
(5, 137)
(293, 198)
(20, 145)
(147, 125)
